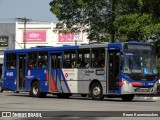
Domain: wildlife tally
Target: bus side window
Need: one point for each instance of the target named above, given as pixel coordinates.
(69, 59)
(98, 57)
(31, 64)
(11, 61)
(83, 58)
(42, 60)
(78, 64)
(32, 60)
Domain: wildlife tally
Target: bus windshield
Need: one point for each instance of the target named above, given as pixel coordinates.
(140, 62)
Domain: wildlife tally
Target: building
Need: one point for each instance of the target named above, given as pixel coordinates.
(18, 35)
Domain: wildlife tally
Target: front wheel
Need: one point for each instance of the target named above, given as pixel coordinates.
(127, 97)
(96, 91)
(35, 90)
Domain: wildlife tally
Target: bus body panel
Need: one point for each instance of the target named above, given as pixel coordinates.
(70, 83)
(39, 75)
(85, 77)
(9, 81)
(58, 82)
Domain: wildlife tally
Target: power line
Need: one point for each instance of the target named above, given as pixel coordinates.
(13, 37)
(17, 19)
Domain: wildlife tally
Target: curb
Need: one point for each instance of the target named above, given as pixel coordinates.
(148, 98)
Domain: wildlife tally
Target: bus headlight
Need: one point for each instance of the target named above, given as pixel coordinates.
(159, 81)
(126, 82)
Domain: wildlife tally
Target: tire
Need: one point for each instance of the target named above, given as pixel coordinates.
(0, 88)
(35, 90)
(84, 95)
(96, 91)
(127, 97)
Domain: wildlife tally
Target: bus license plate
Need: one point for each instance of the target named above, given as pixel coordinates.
(144, 89)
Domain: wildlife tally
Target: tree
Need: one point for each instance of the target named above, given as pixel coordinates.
(139, 20)
(92, 15)
(127, 19)
(137, 27)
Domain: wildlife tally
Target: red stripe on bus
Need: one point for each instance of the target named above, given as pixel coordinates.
(53, 87)
(52, 84)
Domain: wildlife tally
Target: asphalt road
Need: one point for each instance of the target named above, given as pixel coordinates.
(10, 101)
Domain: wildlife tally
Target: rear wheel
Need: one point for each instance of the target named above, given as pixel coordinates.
(35, 90)
(96, 91)
(127, 97)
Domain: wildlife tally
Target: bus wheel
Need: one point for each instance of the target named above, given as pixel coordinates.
(127, 97)
(84, 95)
(96, 91)
(35, 90)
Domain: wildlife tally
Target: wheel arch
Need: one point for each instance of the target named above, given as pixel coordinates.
(94, 81)
(34, 80)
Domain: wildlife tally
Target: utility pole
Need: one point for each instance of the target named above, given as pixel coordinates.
(25, 20)
(112, 20)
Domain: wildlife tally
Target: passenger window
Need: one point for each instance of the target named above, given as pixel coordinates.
(69, 59)
(83, 58)
(11, 61)
(32, 60)
(42, 60)
(98, 57)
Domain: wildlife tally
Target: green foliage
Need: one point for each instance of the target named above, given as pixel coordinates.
(133, 19)
(91, 15)
(135, 26)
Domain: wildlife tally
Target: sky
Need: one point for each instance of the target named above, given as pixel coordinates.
(36, 10)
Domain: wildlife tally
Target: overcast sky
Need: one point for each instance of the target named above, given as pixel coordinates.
(37, 10)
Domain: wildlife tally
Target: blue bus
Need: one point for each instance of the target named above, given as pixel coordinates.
(97, 70)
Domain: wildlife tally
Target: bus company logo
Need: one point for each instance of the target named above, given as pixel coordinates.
(29, 73)
(9, 74)
(82, 71)
(66, 75)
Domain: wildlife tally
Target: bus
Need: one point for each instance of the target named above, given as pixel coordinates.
(95, 70)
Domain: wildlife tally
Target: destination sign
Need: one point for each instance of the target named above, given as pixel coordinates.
(142, 47)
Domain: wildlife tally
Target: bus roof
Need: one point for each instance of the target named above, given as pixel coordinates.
(72, 47)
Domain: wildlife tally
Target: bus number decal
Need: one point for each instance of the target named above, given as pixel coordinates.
(9, 74)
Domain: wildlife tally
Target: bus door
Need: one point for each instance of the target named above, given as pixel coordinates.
(55, 72)
(21, 72)
(113, 71)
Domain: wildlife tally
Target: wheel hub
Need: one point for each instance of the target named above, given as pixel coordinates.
(35, 90)
(96, 91)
